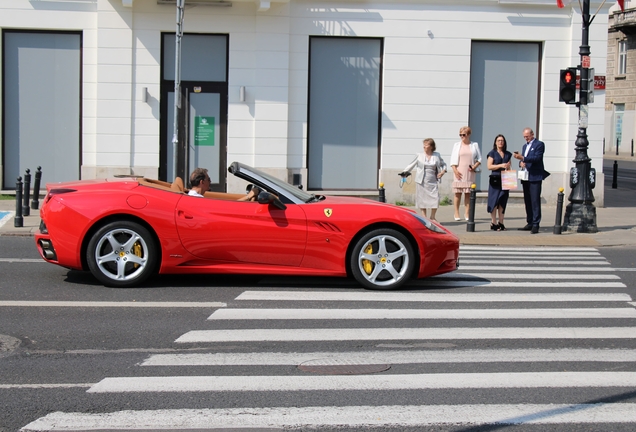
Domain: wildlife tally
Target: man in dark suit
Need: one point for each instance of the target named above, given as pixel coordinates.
(531, 158)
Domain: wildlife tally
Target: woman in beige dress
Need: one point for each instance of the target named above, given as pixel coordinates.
(465, 160)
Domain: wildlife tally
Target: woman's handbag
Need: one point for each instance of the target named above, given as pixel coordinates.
(495, 181)
(509, 179)
(522, 175)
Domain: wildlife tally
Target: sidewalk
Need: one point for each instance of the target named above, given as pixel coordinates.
(616, 227)
(30, 223)
(612, 223)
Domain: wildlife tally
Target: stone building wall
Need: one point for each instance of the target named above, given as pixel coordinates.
(620, 88)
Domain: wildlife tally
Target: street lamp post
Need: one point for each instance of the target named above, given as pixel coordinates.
(580, 213)
(177, 86)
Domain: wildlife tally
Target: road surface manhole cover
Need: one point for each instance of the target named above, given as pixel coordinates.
(341, 367)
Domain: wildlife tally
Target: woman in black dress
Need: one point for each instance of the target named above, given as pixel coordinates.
(498, 160)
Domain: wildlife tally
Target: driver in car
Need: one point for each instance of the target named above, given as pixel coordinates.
(200, 181)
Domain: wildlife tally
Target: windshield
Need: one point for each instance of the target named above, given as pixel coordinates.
(299, 194)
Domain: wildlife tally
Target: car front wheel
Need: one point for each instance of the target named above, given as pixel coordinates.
(122, 254)
(382, 259)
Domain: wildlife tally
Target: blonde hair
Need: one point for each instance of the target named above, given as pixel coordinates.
(466, 129)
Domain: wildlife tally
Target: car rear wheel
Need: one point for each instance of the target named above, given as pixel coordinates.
(382, 259)
(122, 254)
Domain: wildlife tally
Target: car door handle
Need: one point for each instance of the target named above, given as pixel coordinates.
(185, 215)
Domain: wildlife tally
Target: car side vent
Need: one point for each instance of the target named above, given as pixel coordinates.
(327, 226)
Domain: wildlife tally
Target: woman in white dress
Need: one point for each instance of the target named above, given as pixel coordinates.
(429, 169)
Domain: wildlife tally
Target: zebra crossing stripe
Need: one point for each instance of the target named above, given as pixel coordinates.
(517, 276)
(529, 262)
(525, 249)
(523, 257)
(393, 357)
(560, 255)
(452, 333)
(352, 416)
(499, 268)
(500, 284)
(380, 296)
(365, 382)
(375, 314)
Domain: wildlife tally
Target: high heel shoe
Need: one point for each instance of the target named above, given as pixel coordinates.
(502, 227)
(456, 218)
(494, 227)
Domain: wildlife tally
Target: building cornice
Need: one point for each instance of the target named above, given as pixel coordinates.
(624, 21)
(264, 4)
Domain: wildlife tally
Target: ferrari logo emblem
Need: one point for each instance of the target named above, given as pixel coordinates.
(328, 212)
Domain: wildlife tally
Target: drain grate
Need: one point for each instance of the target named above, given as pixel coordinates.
(341, 367)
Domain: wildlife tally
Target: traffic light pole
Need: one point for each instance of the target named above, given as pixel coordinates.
(580, 213)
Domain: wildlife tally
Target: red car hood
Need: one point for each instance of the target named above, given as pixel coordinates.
(334, 200)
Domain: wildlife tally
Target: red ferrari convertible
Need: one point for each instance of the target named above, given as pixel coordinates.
(126, 229)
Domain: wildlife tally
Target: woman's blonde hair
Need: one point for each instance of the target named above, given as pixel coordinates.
(431, 141)
(466, 129)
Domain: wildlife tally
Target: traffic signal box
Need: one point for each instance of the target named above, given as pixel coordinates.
(567, 86)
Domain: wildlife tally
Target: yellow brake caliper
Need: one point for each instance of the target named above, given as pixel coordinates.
(137, 251)
(366, 264)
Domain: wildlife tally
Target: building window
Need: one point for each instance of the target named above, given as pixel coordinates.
(622, 57)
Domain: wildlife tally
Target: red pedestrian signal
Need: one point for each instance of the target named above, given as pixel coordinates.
(567, 86)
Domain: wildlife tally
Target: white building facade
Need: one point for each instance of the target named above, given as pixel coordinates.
(336, 96)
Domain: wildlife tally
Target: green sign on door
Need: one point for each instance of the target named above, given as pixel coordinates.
(203, 131)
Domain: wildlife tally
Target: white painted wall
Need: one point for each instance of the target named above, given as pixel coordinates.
(425, 88)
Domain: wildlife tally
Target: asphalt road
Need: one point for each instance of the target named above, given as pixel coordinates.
(625, 192)
(66, 349)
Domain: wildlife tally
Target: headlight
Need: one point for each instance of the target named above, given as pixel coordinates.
(428, 224)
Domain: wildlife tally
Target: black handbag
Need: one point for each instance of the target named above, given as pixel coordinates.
(495, 181)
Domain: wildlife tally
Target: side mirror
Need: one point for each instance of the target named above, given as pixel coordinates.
(268, 198)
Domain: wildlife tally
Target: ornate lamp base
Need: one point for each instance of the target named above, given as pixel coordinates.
(580, 217)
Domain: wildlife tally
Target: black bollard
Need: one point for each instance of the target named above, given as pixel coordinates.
(559, 213)
(603, 145)
(616, 146)
(18, 221)
(632, 147)
(470, 226)
(27, 193)
(381, 194)
(615, 176)
(35, 202)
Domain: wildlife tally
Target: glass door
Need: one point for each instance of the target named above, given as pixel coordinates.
(202, 131)
(202, 139)
(619, 111)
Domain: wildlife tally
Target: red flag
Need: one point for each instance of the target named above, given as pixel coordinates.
(621, 3)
